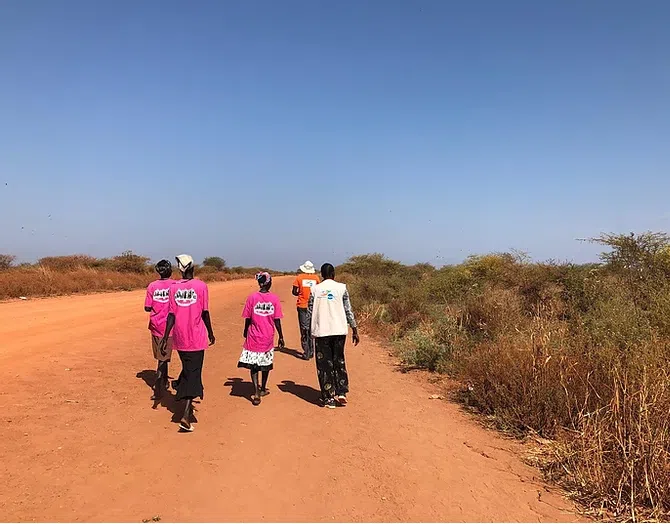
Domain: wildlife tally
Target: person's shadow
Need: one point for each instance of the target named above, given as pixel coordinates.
(240, 388)
(306, 393)
(291, 352)
(168, 400)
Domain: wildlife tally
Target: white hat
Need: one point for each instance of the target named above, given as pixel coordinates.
(184, 262)
(307, 267)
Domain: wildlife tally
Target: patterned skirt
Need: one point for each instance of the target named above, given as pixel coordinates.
(256, 361)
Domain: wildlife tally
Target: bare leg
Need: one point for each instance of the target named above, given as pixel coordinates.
(160, 380)
(185, 421)
(264, 383)
(257, 394)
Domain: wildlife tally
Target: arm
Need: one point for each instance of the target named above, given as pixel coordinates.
(168, 329)
(149, 301)
(247, 324)
(310, 309)
(351, 319)
(281, 334)
(208, 325)
(296, 291)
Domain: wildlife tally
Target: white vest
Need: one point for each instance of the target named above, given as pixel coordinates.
(328, 315)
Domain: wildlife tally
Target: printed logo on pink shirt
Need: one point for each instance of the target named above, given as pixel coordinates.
(185, 297)
(162, 295)
(264, 309)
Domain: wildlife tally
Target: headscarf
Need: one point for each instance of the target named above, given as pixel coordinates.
(164, 268)
(263, 278)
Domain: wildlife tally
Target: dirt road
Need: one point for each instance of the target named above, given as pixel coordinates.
(81, 441)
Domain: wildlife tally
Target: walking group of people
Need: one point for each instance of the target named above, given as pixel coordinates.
(179, 320)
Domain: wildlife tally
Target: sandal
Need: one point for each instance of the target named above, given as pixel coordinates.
(255, 400)
(265, 392)
(184, 427)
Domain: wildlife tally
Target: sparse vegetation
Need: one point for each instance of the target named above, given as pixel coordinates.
(574, 353)
(64, 275)
(6, 261)
(215, 262)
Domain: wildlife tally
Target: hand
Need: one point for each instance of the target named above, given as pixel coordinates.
(281, 344)
(212, 339)
(356, 338)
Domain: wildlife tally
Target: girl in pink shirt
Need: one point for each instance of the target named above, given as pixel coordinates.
(156, 304)
(262, 315)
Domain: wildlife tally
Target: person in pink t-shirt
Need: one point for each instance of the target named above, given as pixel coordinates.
(262, 315)
(156, 304)
(189, 323)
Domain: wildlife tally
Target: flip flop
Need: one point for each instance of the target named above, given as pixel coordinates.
(186, 429)
(256, 401)
(265, 392)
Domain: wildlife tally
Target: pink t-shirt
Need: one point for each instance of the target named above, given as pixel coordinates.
(158, 298)
(188, 299)
(262, 309)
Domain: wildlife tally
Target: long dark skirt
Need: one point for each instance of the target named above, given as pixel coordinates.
(189, 383)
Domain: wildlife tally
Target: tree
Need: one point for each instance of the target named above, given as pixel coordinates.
(6, 261)
(216, 262)
(129, 262)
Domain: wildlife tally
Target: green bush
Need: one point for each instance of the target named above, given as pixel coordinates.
(217, 263)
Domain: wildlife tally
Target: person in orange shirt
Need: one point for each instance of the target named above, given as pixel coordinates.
(302, 288)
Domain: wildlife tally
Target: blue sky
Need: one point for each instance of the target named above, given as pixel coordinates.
(269, 132)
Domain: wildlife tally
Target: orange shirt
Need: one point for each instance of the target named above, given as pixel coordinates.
(304, 283)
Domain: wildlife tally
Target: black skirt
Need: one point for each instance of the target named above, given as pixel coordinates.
(189, 383)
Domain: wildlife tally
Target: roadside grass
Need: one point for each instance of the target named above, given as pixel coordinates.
(71, 274)
(574, 354)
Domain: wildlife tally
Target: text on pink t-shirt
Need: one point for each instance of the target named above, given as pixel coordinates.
(262, 309)
(158, 299)
(188, 299)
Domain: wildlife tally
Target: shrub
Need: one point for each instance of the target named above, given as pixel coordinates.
(6, 261)
(68, 262)
(129, 262)
(217, 263)
(577, 353)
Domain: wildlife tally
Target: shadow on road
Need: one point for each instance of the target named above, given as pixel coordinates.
(291, 352)
(306, 393)
(168, 400)
(149, 377)
(240, 388)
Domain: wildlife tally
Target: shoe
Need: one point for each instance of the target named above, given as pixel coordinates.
(330, 403)
(175, 384)
(342, 399)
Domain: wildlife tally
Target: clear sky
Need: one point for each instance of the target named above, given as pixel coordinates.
(268, 132)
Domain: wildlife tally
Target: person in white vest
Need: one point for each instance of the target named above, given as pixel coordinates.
(330, 314)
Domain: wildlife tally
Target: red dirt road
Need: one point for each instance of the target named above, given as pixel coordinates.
(81, 442)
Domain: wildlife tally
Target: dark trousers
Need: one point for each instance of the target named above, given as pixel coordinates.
(330, 366)
(305, 333)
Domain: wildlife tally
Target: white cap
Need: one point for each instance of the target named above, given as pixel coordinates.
(184, 262)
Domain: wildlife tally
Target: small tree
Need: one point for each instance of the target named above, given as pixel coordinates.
(7, 261)
(129, 262)
(216, 262)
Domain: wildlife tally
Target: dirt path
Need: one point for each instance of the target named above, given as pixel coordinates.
(81, 442)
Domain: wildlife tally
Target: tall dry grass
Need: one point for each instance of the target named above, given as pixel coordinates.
(70, 274)
(573, 353)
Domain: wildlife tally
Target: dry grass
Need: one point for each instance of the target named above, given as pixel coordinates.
(577, 355)
(72, 274)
